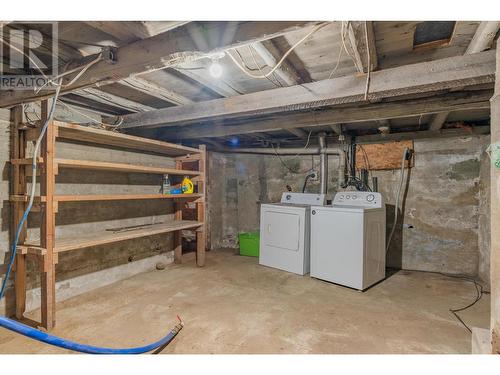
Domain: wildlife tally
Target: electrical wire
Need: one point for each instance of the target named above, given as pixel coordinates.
(32, 191)
(278, 84)
(398, 194)
(278, 64)
(294, 156)
(479, 293)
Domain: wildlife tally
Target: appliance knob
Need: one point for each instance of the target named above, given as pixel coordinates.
(313, 212)
(370, 197)
(288, 197)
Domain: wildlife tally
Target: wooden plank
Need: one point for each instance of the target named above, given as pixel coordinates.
(120, 167)
(168, 49)
(112, 100)
(382, 156)
(106, 237)
(327, 117)
(201, 237)
(178, 234)
(47, 228)
(106, 197)
(18, 152)
(424, 78)
(359, 34)
(153, 89)
(109, 138)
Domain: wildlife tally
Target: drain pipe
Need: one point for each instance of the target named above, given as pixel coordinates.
(323, 160)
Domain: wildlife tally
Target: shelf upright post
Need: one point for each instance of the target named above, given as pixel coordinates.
(178, 216)
(47, 230)
(19, 188)
(200, 209)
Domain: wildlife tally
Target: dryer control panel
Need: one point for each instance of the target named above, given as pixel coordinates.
(359, 199)
(304, 198)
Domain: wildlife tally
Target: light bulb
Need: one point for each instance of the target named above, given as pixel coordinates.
(215, 69)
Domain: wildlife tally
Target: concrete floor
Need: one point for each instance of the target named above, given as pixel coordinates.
(233, 305)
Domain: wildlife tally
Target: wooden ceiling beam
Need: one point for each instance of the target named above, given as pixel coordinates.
(113, 100)
(299, 133)
(164, 50)
(270, 55)
(359, 34)
(423, 78)
(481, 41)
(338, 116)
(152, 89)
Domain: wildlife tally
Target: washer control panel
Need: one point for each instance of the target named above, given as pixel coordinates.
(358, 198)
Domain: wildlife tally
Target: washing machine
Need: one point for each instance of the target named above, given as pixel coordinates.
(348, 240)
(284, 232)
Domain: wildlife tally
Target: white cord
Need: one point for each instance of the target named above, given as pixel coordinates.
(278, 64)
(398, 194)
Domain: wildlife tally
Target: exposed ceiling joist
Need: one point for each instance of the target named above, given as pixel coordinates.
(163, 50)
(337, 128)
(155, 90)
(113, 100)
(484, 36)
(335, 117)
(270, 55)
(438, 120)
(481, 41)
(423, 78)
(299, 133)
(362, 39)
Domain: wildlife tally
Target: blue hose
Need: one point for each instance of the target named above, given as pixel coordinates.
(54, 340)
(71, 345)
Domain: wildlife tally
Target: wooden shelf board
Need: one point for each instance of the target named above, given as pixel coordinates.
(106, 137)
(121, 167)
(118, 197)
(106, 197)
(105, 237)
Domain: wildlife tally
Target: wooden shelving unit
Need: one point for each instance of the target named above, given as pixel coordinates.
(48, 247)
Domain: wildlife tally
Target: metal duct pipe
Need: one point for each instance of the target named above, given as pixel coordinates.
(342, 161)
(323, 160)
(282, 151)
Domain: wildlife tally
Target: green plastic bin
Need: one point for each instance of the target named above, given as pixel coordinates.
(249, 244)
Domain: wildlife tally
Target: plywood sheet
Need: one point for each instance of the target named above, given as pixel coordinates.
(382, 156)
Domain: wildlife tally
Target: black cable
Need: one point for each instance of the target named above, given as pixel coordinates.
(479, 292)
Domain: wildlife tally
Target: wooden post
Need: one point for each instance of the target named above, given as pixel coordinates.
(201, 232)
(47, 230)
(495, 215)
(19, 187)
(178, 233)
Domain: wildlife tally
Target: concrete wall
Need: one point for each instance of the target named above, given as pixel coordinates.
(445, 213)
(82, 270)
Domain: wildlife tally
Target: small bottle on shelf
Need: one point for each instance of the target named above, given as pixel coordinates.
(166, 184)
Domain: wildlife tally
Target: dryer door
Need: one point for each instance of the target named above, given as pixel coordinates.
(284, 238)
(282, 230)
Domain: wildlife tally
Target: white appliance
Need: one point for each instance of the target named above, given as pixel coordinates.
(284, 232)
(348, 240)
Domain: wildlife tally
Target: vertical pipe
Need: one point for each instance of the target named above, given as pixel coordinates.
(323, 164)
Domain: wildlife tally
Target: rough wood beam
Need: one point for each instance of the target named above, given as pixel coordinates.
(113, 100)
(481, 41)
(444, 133)
(337, 128)
(438, 120)
(358, 36)
(484, 36)
(163, 50)
(423, 78)
(270, 55)
(155, 90)
(297, 132)
(495, 218)
(328, 117)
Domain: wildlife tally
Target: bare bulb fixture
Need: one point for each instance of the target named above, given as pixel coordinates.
(215, 69)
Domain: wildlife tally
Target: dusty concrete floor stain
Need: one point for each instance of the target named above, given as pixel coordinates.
(233, 305)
